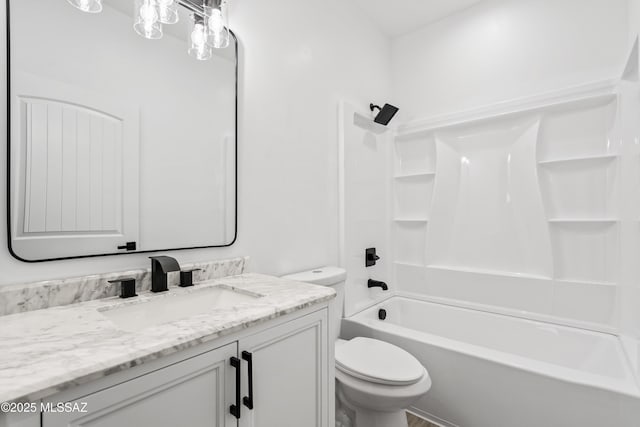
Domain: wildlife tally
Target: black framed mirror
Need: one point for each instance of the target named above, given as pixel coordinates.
(116, 144)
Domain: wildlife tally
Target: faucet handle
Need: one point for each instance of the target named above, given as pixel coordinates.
(186, 277)
(127, 287)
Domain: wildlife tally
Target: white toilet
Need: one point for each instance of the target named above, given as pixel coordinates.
(375, 380)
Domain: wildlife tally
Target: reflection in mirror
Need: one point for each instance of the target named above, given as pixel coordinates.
(115, 138)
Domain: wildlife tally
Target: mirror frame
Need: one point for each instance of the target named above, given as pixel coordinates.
(8, 159)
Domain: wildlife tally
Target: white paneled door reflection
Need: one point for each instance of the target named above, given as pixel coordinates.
(76, 158)
(73, 181)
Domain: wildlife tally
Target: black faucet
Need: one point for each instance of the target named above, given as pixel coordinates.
(160, 266)
(377, 284)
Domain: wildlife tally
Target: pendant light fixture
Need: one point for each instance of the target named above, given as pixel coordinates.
(89, 6)
(199, 49)
(146, 19)
(217, 23)
(208, 29)
(168, 11)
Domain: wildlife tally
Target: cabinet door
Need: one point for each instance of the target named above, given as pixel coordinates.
(194, 393)
(290, 374)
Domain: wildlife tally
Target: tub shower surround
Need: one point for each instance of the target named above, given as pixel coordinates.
(522, 210)
(20, 298)
(46, 351)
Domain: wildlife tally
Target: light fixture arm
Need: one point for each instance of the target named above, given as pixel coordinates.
(193, 6)
(212, 3)
(197, 6)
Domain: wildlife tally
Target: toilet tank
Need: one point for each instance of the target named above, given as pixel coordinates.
(327, 276)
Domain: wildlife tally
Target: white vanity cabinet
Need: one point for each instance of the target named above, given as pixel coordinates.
(288, 376)
(193, 392)
(286, 362)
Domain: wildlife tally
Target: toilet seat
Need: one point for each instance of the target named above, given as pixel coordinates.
(378, 362)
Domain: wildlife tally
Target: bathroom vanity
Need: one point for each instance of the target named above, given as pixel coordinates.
(261, 357)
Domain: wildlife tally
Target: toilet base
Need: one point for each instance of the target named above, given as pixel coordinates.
(352, 416)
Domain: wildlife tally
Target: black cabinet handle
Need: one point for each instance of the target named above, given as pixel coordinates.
(248, 400)
(235, 409)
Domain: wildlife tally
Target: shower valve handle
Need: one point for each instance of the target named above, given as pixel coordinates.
(370, 257)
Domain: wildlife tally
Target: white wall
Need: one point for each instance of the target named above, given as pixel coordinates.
(634, 19)
(293, 73)
(630, 292)
(504, 49)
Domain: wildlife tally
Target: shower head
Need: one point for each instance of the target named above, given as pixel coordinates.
(386, 113)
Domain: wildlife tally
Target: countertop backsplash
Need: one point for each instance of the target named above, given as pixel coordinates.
(51, 293)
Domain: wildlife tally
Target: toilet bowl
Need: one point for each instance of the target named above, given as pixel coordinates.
(378, 380)
(375, 380)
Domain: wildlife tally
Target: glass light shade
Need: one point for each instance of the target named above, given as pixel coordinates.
(198, 47)
(217, 24)
(146, 19)
(168, 10)
(89, 6)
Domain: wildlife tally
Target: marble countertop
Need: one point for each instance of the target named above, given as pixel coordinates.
(46, 351)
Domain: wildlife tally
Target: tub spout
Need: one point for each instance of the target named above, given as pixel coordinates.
(377, 284)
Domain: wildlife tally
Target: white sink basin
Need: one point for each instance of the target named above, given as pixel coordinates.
(168, 308)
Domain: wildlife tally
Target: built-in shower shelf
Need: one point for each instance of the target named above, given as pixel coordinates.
(583, 220)
(488, 272)
(578, 159)
(415, 175)
(411, 219)
(412, 194)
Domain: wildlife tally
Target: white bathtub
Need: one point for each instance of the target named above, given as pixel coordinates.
(490, 370)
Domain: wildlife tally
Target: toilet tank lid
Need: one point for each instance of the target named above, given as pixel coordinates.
(326, 276)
